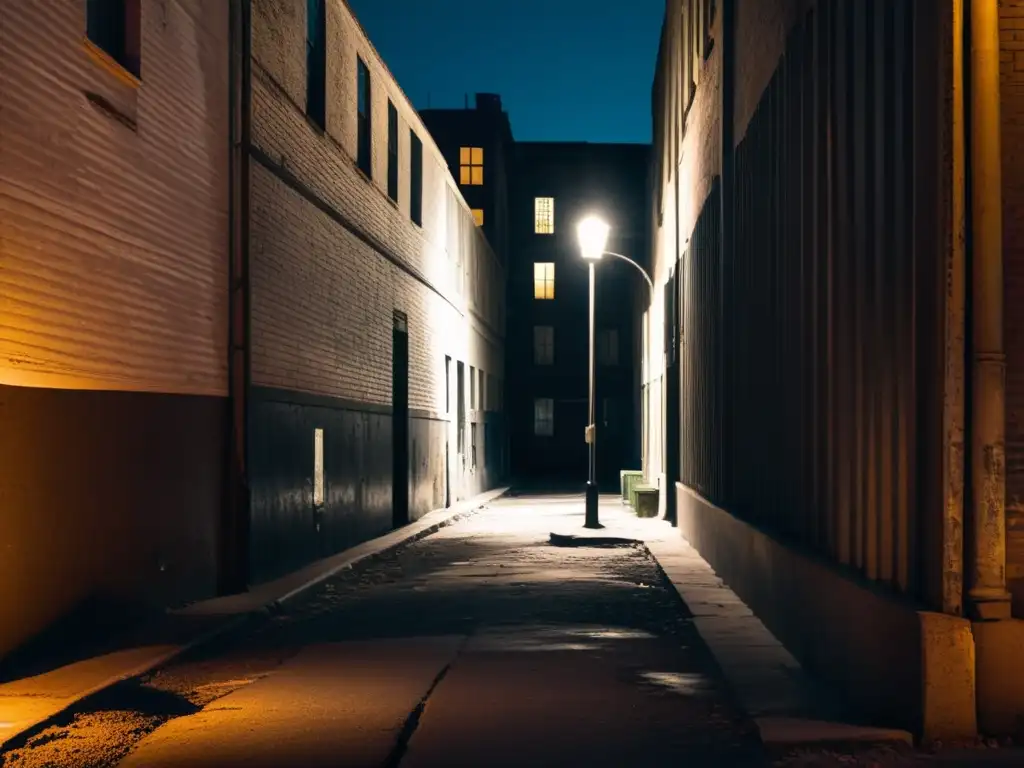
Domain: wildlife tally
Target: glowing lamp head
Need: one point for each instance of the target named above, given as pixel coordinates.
(593, 235)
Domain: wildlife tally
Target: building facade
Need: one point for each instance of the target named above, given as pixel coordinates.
(555, 186)
(376, 305)
(828, 244)
(529, 197)
(247, 318)
(114, 235)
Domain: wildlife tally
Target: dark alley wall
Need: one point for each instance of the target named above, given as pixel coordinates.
(336, 265)
(835, 207)
(608, 180)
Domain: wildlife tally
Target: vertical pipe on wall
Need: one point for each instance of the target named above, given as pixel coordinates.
(233, 570)
(987, 573)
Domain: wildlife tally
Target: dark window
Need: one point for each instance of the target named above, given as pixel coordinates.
(114, 27)
(710, 7)
(472, 445)
(392, 152)
(316, 61)
(543, 345)
(544, 417)
(365, 156)
(608, 347)
(447, 384)
(416, 179)
(460, 405)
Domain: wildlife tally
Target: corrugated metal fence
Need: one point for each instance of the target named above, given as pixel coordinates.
(818, 360)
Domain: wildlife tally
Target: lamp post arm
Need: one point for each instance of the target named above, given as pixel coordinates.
(640, 269)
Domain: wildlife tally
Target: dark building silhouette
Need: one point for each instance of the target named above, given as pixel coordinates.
(555, 186)
(476, 143)
(532, 195)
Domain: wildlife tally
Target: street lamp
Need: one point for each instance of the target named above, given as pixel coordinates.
(593, 237)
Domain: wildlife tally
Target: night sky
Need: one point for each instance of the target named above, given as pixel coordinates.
(566, 70)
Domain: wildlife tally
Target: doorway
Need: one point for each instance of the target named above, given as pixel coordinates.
(400, 420)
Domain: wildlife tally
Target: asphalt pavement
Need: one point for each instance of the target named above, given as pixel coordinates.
(485, 644)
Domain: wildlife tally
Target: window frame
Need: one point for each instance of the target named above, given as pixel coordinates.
(113, 29)
(392, 151)
(543, 215)
(544, 419)
(545, 280)
(364, 117)
(471, 160)
(543, 345)
(316, 63)
(416, 178)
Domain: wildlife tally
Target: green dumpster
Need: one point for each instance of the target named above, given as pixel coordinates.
(627, 478)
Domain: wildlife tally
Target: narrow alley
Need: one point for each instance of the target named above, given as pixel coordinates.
(481, 645)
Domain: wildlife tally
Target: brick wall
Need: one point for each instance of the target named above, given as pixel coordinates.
(323, 299)
(1012, 70)
(101, 285)
(332, 256)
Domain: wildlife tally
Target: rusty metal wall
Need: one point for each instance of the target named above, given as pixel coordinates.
(817, 366)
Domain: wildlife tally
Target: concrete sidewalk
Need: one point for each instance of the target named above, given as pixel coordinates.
(482, 645)
(28, 704)
(788, 708)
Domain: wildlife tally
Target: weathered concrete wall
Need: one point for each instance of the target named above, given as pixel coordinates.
(902, 667)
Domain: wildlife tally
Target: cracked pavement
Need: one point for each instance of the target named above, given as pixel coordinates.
(483, 644)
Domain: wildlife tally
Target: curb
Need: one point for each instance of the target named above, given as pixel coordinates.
(797, 725)
(232, 624)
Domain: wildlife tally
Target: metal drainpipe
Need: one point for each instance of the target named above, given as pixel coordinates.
(234, 534)
(987, 595)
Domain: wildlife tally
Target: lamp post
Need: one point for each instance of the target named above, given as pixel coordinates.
(593, 237)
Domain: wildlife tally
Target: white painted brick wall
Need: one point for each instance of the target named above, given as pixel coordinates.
(322, 300)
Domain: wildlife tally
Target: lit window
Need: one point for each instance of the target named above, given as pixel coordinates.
(543, 345)
(318, 467)
(114, 27)
(544, 280)
(478, 216)
(471, 166)
(544, 417)
(608, 347)
(544, 215)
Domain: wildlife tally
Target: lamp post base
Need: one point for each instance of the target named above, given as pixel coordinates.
(592, 520)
